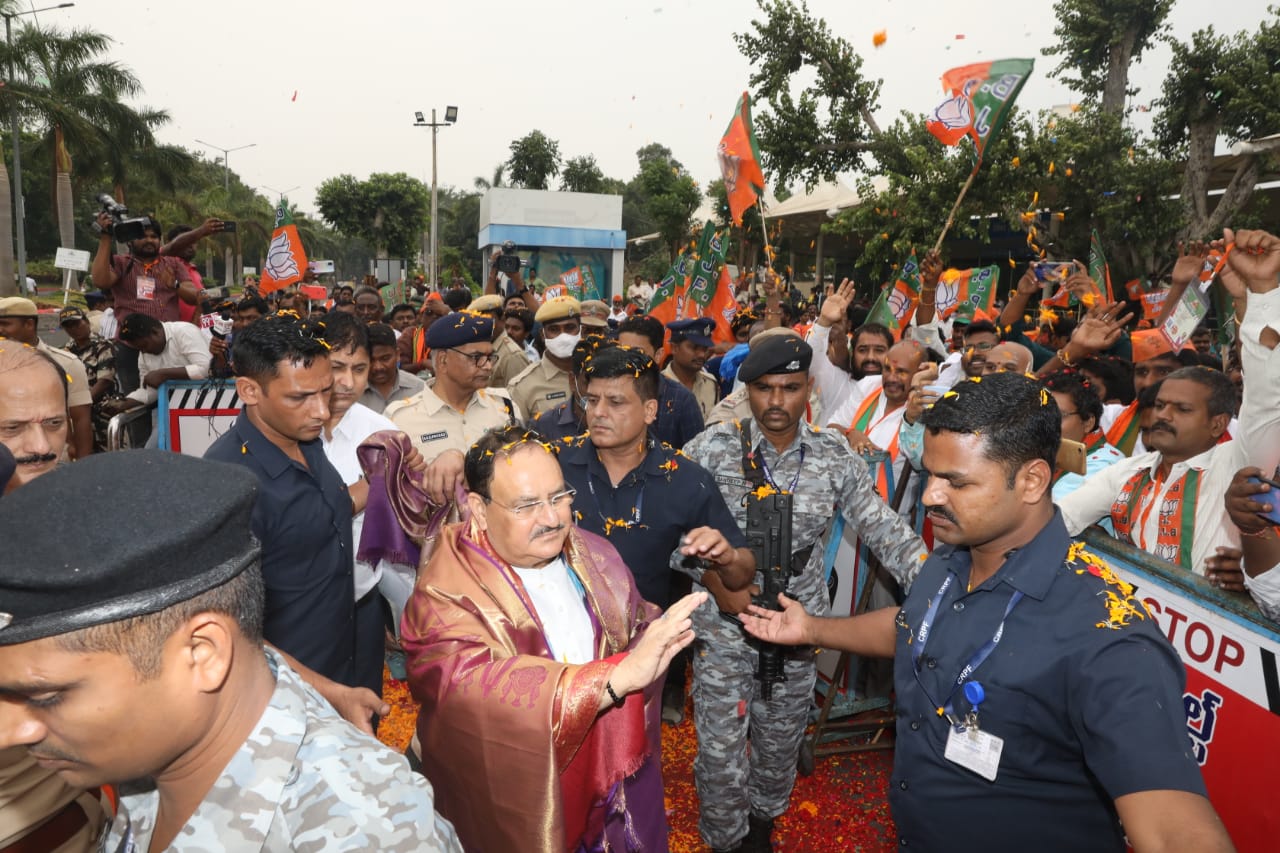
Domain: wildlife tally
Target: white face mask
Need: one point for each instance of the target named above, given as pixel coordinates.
(561, 346)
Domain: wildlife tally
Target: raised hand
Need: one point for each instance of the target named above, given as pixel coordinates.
(662, 640)
(1255, 258)
(1190, 261)
(836, 304)
(930, 269)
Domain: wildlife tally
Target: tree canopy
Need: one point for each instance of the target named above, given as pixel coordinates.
(388, 210)
(535, 160)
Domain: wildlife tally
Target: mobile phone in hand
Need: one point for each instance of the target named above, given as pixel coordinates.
(228, 226)
(1053, 270)
(1272, 497)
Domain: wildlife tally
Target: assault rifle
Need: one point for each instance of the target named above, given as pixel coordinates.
(769, 538)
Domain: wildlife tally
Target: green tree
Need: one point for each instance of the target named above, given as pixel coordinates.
(389, 211)
(498, 179)
(1216, 86)
(582, 175)
(661, 197)
(1099, 39)
(534, 161)
(828, 124)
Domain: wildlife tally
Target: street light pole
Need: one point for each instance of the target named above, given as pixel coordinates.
(19, 207)
(226, 160)
(450, 117)
(280, 194)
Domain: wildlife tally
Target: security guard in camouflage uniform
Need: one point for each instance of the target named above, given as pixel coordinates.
(740, 795)
(138, 655)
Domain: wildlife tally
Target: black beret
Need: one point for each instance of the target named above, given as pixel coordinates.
(123, 554)
(458, 329)
(780, 354)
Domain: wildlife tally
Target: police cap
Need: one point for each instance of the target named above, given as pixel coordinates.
(133, 560)
(782, 354)
(459, 328)
(696, 331)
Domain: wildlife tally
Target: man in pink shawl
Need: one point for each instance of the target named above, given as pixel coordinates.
(539, 668)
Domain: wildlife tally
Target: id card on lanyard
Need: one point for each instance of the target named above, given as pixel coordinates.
(967, 745)
(146, 287)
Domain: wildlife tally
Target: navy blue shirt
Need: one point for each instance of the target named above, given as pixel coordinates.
(1087, 700)
(661, 500)
(679, 418)
(302, 517)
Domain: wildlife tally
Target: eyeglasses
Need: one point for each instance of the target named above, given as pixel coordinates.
(983, 347)
(529, 508)
(477, 359)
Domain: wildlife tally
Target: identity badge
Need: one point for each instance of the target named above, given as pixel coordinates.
(975, 750)
(146, 287)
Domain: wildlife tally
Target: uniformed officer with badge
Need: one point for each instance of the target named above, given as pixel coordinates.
(135, 656)
(456, 407)
(690, 347)
(775, 452)
(508, 355)
(548, 382)
(1039, 706)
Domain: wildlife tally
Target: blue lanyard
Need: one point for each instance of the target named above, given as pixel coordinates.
(980, 656)
(768, 475)
(637, 511)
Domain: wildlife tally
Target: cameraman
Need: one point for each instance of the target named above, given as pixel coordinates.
(143, 282)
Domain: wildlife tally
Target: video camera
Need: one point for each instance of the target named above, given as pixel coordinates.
(123, 229)
(509, 261)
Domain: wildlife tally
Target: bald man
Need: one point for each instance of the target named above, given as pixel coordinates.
(871, 422)
(1007, 357)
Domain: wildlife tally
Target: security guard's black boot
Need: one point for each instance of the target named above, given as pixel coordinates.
(759, 835)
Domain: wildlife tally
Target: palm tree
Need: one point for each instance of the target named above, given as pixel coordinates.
(65, 88)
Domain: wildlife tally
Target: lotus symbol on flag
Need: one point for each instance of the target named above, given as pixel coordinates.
(729, 168)
(948, 295)
(280, 261)
(956, 113)
(899, 303)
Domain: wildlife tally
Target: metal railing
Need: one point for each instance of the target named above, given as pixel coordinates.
(121, 432)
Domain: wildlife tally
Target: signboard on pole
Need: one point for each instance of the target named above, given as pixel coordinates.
(72, 259)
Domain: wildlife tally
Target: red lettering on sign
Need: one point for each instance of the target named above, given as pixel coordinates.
(1230, 653)
(1174, 618)
(1189, 643)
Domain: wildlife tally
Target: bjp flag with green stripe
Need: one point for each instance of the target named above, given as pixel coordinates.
(981, 96)
(286, 259)
(740, 161)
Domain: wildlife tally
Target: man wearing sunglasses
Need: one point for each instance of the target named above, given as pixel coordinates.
(456, 407)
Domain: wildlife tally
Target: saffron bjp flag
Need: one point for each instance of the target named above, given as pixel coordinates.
(966, 293)
(739, 157)
(722, 308)
(1135, 288)
(896, 305)
(668, 296)
(1153, 304)
(980, 98)
(572, 280)
(286, 259)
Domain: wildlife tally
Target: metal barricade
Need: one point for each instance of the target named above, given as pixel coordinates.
(123, 431)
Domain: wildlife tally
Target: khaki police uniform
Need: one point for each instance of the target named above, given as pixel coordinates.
(38, 808)
(78, 391)
(539, 387)
(511, 361)
(434, 426)
(705, 389)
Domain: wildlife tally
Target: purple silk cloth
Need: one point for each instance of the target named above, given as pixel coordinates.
(399, 517)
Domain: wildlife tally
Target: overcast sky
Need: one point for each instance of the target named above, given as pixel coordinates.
(602, 78)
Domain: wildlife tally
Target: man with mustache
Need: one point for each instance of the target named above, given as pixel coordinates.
(456, 406)
(872, 422)
(19, 323)
(302, 515)
(1169, 500)
(40, 810)
(1037, 707)
(642, 496)
(538, 667)
(741, 792)
(691, 346)
(135, 657)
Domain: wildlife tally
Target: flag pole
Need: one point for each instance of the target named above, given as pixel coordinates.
(764, 227)
(951, 217)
